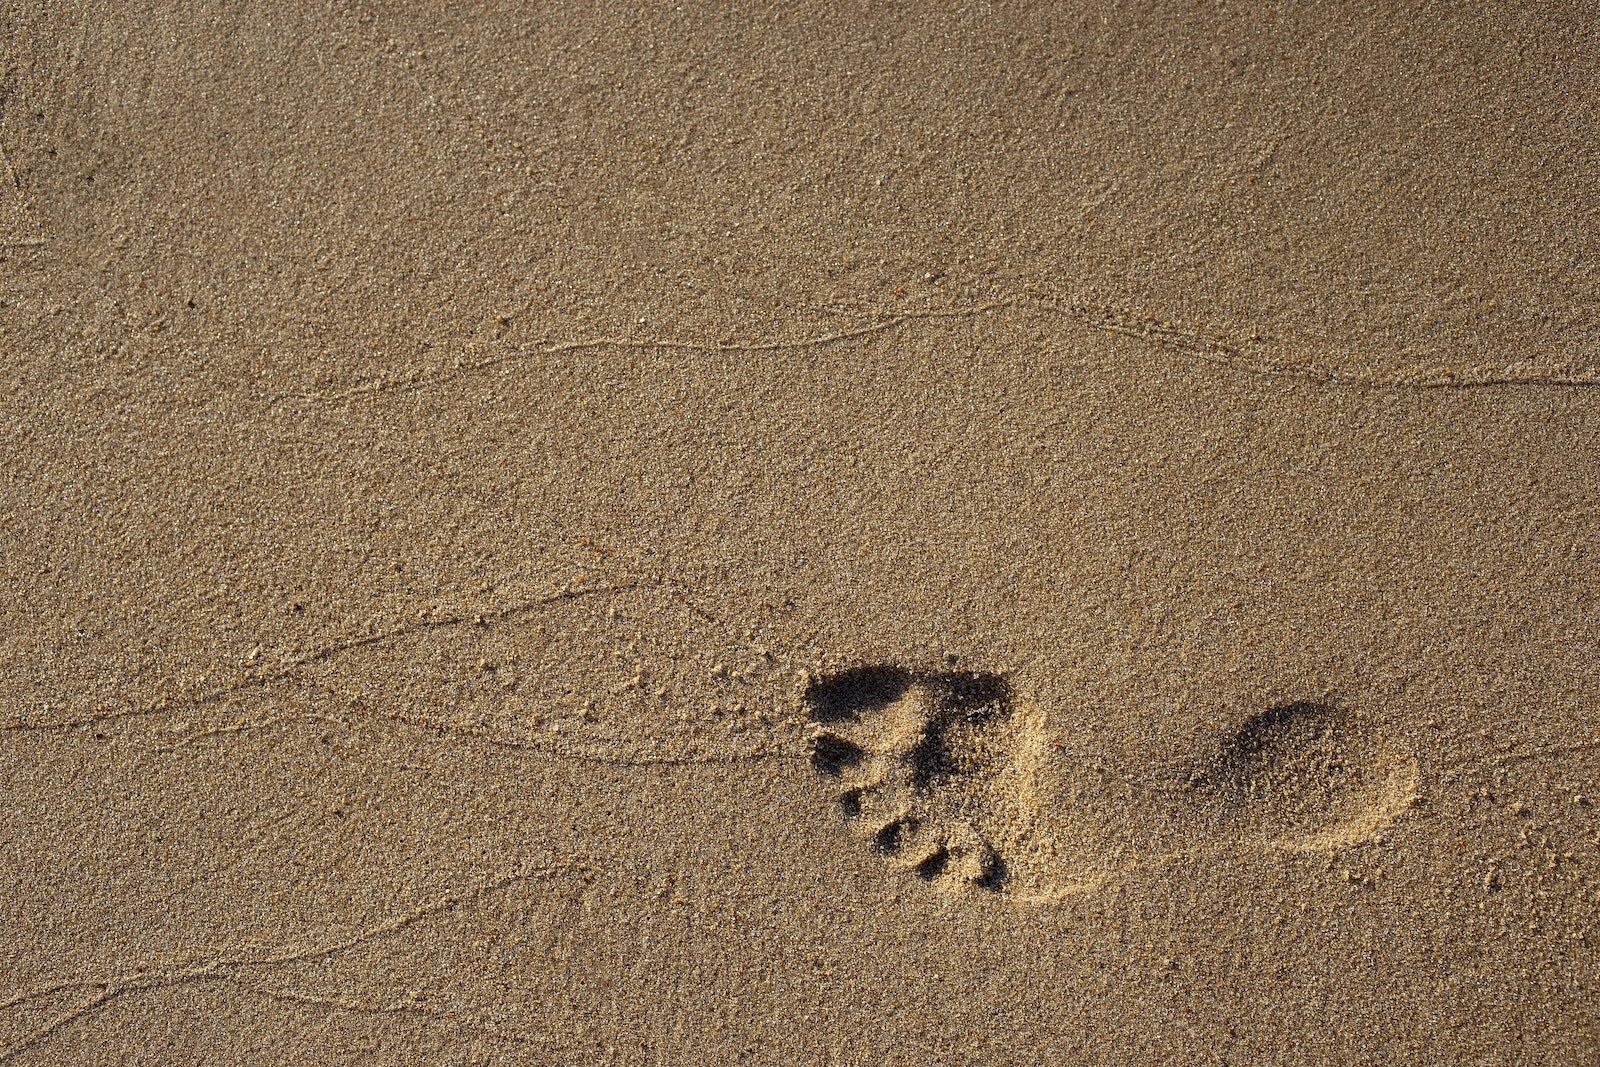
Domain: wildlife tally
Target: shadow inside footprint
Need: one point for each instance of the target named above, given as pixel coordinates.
(1257, 753)
(850, 694)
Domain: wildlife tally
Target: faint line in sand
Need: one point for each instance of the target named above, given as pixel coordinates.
(329, 651)
(485, 1027)
(483, 735)
(1220, 351)
(416, 380)
(226, 967)
(1190, 340)
(1496, 763)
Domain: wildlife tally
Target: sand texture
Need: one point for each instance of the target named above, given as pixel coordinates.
(824, 534)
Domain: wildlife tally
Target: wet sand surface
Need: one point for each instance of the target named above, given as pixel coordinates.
(831, 535)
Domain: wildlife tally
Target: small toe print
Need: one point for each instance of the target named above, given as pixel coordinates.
(831, 754)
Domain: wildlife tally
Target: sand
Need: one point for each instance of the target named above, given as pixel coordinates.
(835, 534)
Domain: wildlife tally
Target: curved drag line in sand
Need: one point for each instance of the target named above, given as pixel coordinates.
(291, 668)
(1186, 339)
(225, 967)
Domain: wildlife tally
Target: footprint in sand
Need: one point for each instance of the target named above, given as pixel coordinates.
(945, 775)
